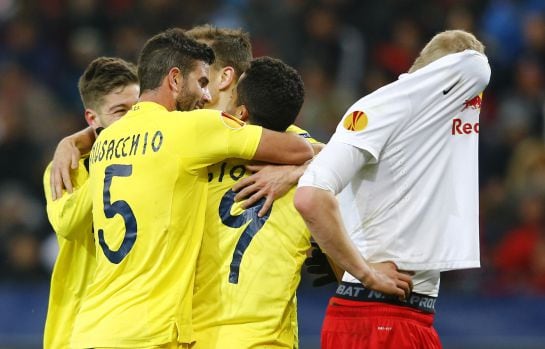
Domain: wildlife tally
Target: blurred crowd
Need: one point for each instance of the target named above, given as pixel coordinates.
(344, 50)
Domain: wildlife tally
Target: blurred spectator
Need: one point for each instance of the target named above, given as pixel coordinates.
(520, 257)
(21, 232)
(534, 36)
(397, 54)
(22, 256)
(323, 104)
(527, 169)
(343, 49)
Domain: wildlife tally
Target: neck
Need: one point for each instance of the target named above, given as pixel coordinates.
(159, 97)
(224, 98)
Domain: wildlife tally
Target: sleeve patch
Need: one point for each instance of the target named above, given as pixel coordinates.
(355, 121)
(231, 121)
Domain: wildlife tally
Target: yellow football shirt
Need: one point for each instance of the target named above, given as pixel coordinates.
(148, 184)
(70, 217)
(248, 268)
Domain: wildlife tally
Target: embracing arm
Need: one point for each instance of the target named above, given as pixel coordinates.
(283, 148)
(270, 181)
(70, 215)
(66, 157)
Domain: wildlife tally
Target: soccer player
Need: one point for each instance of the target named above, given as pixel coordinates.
(148, 183)
(108, 88)
(213, 325)
(407, 155)
(248, 268)
(233, 51)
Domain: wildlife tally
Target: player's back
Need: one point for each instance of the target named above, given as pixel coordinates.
(148, 183)
(422, 131)
(248, 269)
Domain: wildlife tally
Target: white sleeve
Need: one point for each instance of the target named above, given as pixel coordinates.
(476, 71)
(334, 167)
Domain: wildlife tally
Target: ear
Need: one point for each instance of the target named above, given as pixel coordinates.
(91, 118)
(228, 77)
(242, 113)
(174, 79)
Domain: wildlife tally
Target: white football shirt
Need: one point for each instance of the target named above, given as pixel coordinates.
(416, 202)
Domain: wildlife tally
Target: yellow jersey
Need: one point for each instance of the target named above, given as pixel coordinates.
(70, 217)
(248, 268)
(148, 185)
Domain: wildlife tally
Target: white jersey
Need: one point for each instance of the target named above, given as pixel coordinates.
(416, 203)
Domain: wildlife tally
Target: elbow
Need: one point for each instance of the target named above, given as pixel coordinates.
(304, 201)
(306, 153)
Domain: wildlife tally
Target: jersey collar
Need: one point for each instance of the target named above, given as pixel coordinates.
(147, 106)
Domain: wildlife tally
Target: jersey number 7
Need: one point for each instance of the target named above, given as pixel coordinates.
(120, 207)
(255, 223)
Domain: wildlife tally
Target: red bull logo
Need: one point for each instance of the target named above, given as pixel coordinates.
(459, 127)
(473, 103)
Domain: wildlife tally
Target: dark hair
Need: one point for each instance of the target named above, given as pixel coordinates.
(102, 76)
(232, 47)
(272, 91)
(166, 50)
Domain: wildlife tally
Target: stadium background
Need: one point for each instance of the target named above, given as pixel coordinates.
(344, 49)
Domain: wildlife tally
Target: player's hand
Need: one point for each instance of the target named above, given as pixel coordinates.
(386, 278)
(318, 265)
(65, 159)
(268, 181)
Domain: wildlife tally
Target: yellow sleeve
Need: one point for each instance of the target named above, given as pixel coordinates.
(302, 133)
(71, 214)
(220, 136)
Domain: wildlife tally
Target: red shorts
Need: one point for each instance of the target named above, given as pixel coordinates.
(352, 324)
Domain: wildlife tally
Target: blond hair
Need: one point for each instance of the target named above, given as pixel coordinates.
(444, 43)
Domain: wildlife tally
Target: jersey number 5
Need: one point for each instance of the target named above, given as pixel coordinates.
(119, 207)
(255, 223)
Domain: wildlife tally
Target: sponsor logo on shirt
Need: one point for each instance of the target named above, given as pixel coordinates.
(474, 103)
(459, 126)
(355, 121)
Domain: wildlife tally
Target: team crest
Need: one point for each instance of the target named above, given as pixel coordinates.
(355, 121)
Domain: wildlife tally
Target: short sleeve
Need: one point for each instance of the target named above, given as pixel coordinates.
(303, 133)
(371, 121)
(221, 136)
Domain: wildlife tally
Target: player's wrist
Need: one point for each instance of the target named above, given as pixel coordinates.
(296, 172)
(83, 140)
(366, 277)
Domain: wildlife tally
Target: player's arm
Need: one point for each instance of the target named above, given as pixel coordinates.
(315, 200)
(71, 214)
(267, 179)
(66, 158)
(282, 148)
(273, 181)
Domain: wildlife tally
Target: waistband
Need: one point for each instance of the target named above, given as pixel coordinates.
(357, 292)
